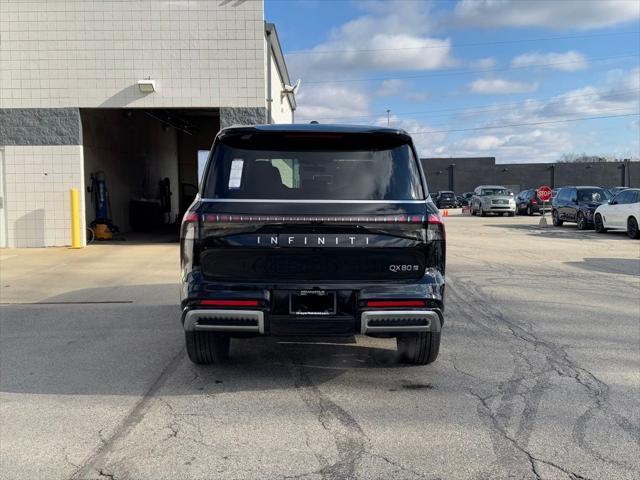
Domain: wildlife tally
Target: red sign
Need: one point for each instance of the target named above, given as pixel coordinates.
(544, 194)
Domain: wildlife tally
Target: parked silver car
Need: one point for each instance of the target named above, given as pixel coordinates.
(492, 199)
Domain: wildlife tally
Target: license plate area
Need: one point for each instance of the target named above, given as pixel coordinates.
(312, 302)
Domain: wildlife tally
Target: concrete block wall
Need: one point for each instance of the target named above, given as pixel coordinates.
(37, 200)
(78, 53)
(471, 172)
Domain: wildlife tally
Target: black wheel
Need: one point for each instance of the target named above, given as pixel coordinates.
(599, 224)
(473, 210)
(207, 348)
(632, 228)
(418, 348)
(481, 212)
(556, 219)
(512, 214)
(582, 221)
(529, 211)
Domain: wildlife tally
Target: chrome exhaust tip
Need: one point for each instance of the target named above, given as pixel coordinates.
(246, 321)
(398, 321)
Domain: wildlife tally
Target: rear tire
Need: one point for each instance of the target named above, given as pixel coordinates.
(418, 348)
(632, 228)
(599, 224)
(207, 348)
(581, 221)
(556, 219)
(529, 211)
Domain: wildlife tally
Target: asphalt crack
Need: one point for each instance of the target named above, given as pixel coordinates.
(556, 361)
(348, 436)
(127, 424)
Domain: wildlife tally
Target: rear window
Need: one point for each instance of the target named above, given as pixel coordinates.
(245, 173)
(447, 195)
(494, 191)
(593, 195)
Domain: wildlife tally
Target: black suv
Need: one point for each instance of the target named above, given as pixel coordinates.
(577, 204)
(312, 230)
(446, 199)
(527, 202)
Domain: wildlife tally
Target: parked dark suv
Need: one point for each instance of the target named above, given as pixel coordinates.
(527, 203)
(446, 199)
(577, 204)
(312, 230)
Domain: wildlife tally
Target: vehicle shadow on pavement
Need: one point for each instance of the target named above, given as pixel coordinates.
(623, 266)
(78, 343)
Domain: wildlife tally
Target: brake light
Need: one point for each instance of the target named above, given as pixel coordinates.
(230, 303)
(534, 201)
(434, 219)
(395, 303)
(435, 227)
(190, 217)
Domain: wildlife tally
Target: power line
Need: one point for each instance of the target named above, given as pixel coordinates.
(487, 107)
(457, 45)
(567, 120)
(467, 72)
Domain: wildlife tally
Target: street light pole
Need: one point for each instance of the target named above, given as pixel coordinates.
(388, 117)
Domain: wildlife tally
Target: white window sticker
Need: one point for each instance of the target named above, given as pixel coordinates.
(235, 176)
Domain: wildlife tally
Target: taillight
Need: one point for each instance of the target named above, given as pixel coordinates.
(534, 201)
(396, 303)
(190, 217)
(189, 232)
(189, 228)
(435, 227)
(230, 303)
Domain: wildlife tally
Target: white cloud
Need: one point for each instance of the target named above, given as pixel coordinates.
(400, 88)
(619, 93)
(564, 14)
(418, 96)
(391, 35)
(426, 143)
(391, 87)
(483, 63)
(331, 102)
(569, 61)
(500, 86)
(515, 145)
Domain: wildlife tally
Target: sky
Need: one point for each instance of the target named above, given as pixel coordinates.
(524, 81)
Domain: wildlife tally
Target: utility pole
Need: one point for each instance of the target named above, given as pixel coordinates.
(388, 117)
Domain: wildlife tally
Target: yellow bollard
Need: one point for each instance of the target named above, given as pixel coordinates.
(75, 219)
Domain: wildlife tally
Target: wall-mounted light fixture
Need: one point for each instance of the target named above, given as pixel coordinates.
(147, 86)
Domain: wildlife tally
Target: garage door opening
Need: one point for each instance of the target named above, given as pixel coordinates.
(149, 161)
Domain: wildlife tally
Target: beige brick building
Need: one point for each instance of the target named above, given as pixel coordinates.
(132, 88)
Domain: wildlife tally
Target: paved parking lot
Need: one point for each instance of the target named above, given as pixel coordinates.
(538, 374)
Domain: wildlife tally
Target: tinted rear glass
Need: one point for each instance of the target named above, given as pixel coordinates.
(494, 191)
(385, 174)
(592, 195)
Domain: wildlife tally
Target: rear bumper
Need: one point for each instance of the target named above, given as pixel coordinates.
(499, 208)
(272, 314)
(256, 322)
